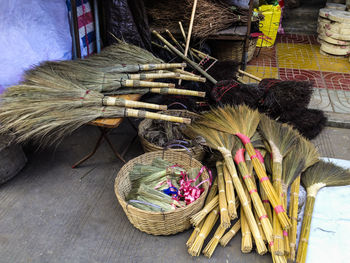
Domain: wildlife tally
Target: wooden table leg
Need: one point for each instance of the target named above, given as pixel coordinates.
(112, 147)
(98, 143)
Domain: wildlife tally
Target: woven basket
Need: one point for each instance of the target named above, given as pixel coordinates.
(196, 151)
(232, 50)
(158, 223)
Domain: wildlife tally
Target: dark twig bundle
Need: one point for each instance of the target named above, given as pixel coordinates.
(210, 16)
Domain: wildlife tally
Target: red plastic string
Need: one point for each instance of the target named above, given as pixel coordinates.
(239, 156)
(262, 217)
(285, 233)
(245, 139)
(253, 191)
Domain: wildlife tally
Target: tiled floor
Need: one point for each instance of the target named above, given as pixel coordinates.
(298, 57)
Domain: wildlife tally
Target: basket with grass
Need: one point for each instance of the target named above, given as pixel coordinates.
(160, 222)
(158, 135)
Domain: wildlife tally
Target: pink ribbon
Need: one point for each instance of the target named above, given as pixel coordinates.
(188, 192)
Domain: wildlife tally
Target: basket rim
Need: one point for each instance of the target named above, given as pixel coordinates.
(157, 154)
(142, 123)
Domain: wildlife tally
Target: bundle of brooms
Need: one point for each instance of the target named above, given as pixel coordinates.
(51, 107)
(294, 157)
(210, 17)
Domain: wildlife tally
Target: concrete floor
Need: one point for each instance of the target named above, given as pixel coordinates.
(53, 213)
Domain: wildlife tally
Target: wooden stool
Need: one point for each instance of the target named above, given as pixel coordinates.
(105, 126)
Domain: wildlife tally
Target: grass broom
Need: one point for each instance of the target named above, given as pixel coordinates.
(169, 91)
(310, 156)
(209, 223)
(212, 193)
(225, 221)
(52, 126)
(231, 233)
(223, 142)
(321, 174)
(230, 194)
(242, 122)
(280, 139)
(251, 187)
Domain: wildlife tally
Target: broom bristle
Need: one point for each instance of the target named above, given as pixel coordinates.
(281, 135)
(325, 173)
(231, 233)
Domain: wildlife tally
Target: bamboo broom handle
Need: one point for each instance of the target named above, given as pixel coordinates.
(212, 244)
(140, 67)
(198, 217)
(293, 213)
(156, 116)
(258, 205)
(261, 248)
(185, 72)
(260, 227)
(112, 101)
(305, 229)
(144, 76)
(182, 31)
(249, 75)
(230, 194)
(224, 217)
(148, 84)
(184, 92)
(174, 40)
(265, 182)
(191, 78)
(190, 62)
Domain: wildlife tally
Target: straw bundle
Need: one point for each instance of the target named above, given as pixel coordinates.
(319, 175)
(231, 233)
(209, 223)
(230, 194)
(212, 193)
(197, 218)
(246, 242)
(243, 121)
(224, 217)
(213, 243)
(224, 143)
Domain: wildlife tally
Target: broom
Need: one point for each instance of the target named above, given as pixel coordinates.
(213, 243)
(238, 149)
(230, 194)
(243, 121)
(208, 224)
(319, 175)
(55, 124)
(224, 217)
(170, 91)
(66, 94)
(212, 193)
(223, 142)
(231, 233)
(310, 157)
(280, 139)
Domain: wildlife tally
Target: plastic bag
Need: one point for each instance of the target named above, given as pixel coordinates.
(269, 26)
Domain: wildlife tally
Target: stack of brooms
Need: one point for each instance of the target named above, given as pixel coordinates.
(244, 136)
(56, 98)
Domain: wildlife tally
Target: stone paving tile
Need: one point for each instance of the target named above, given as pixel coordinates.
(337, 81)
(320, 100)
(264, 57)
(302, 74)
(340, 100)
(295, 39)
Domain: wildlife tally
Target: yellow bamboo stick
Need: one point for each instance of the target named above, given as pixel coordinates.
(224, 217)
(293, 213)
(231, 233)
(247, 242)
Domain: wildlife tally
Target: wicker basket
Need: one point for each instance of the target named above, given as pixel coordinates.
(158, 223)
(196, 151)
(232, 50)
